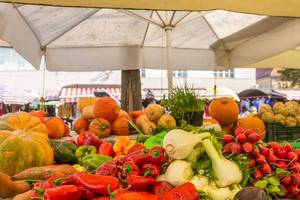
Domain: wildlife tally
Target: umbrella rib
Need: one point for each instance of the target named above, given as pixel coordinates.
(172, 18)
(128, 12)
(182, 18)
(28, 24)
(162, 21)
(146, 31)
(72, 27)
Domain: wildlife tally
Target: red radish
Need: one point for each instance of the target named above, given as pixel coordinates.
(249, 131)
(235, 149)
(252, 163)
(258, 174)
(227, 148)
(247, 147)
(288, 147)
(281, 164)
(297, 151)
(239, 130)
(255, 153)
(293, 189)
(264, 151)
(253, 138)
(266, 169)
(281, 153)
(292, 156)
(274, 145)
(286, 180)
(260, 159)
(228, 138)
(272, 158)
(241, 138)
(296, 179)
(295, 167)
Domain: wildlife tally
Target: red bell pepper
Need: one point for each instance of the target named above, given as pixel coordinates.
(151, 170)
(136, 147)
(161, 188)
(63, 192)
(158, 155)
(107, 169)
(137, 196)
(129, 168)
(96, 183)
(51, 182)
(106, 148)
(102, 198)
(86, 194)
(186, 191)
(136, 182)
(140, 158)
(88, 138)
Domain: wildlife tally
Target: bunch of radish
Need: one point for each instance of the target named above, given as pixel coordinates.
(242, 142)
(274, 156)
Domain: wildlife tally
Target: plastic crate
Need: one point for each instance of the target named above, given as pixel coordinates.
(277, 132)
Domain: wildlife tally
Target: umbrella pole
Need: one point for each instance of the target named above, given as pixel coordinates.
(168, 30)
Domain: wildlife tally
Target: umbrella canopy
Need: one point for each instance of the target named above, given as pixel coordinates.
(14, 96)
(259, 93)
(90, 39)
(212, 92)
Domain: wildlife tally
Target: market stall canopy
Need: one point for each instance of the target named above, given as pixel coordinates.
(253, 93)
(93, 39)
(267, 7)
(71, 93)
(9, 95)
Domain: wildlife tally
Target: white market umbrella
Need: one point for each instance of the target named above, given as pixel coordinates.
(93, 39)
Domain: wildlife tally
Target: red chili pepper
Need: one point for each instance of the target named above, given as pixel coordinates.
(106, 148)
(136, 147)
(51, 182)
(129, 168)
(140, 158)
(86, 194)
(161, 188)
(80, 139)
(107, 169)
(136, 182)
(186, 191)
(98, 184)
(137, 196)
(158, 155)
(151, 170)
(63, 192)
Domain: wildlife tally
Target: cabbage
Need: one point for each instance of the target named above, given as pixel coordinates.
(267, 117)
(291, 121)
(278, 118)
(265, 108)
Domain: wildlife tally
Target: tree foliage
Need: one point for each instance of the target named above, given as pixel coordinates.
(291, 75)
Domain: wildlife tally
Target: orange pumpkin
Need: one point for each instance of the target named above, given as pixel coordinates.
(135, 114)
(107, 108)
(121, 126)
(80, 124)
(254, 123)
(123, 113)
(101, 127)
(224, 110)
(56, 127)
(84, 102)
(40, 114)
(228, 129)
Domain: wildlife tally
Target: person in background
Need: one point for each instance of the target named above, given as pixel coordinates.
(2, 110)
(148, 99)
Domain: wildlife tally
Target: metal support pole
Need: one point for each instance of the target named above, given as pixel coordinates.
(168, 30)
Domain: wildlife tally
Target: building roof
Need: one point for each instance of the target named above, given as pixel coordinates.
(262, 73)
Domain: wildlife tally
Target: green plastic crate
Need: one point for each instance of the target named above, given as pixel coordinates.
(277, 132)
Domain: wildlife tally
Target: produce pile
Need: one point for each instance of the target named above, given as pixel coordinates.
(176, 161)
(287, 114)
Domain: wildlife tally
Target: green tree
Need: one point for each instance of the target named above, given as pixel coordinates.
(291, 75)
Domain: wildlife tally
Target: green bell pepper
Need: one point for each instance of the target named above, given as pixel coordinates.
(84, 151)
(93, 161)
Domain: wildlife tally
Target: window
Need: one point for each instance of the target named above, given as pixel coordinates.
(180, 74)
(224, 74)
(143, 72)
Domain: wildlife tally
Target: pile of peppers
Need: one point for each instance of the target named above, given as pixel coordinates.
(131, 177)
